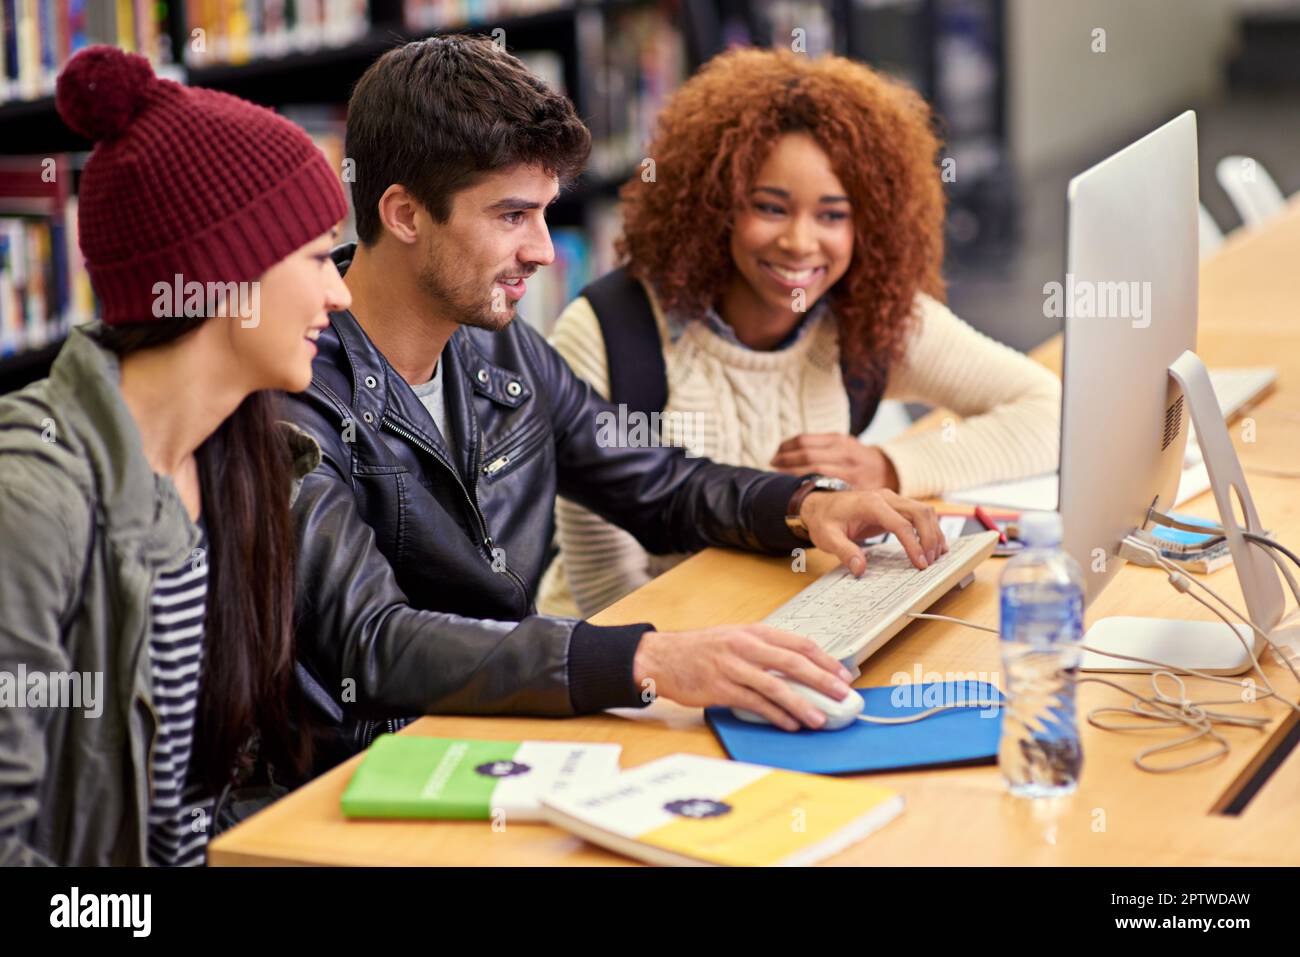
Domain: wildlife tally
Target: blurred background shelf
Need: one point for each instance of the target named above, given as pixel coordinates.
(1023, 98)
(617, 60)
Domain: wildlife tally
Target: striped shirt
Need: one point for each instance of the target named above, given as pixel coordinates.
(179, 809)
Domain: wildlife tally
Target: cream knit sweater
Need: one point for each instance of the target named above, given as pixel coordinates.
(736, 405)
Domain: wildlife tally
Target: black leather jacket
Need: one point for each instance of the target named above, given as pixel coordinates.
(418, 568)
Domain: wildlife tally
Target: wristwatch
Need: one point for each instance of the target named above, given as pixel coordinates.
(811, 483)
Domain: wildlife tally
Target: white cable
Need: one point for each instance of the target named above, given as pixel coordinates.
(1160, 708)
(1177, 579)
(1173, 712)
(1165, 710)
(959, 621)
(1189, 713)
(873, 719)
(1193, 714)
(1271, 549)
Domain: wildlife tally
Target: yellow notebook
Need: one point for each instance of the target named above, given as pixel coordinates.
(690, 810)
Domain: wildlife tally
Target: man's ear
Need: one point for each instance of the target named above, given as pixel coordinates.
(398, 211)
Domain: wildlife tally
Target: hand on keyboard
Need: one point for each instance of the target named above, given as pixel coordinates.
(838, 520)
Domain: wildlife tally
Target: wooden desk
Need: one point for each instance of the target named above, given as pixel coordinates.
(1250, 296)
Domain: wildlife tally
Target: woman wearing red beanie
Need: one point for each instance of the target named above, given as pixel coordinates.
(146, 547)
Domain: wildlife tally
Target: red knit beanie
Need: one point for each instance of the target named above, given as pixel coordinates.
(185, 181)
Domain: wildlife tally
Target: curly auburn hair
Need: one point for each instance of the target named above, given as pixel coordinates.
(714, 134)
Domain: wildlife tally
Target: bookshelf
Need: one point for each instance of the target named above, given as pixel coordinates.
(617, 59)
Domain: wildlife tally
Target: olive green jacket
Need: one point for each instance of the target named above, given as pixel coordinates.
(85, 528)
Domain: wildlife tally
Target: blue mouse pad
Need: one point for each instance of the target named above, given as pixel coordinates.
(948, 739)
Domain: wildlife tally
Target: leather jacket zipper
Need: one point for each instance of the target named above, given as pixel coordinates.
(485, 539)
(513, 454)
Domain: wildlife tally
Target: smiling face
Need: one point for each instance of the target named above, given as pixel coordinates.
(273, 347)
(496, 237)
(794, 232)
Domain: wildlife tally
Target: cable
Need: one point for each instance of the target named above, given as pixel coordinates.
(1271, 546)
(873, 719)
(1270, 543)
(1143, 553)
(1290, 580)
(1188, 713)
(1180, 580)
(1167, 711)
(1161, 709)
(958, 621)
(1170, 521)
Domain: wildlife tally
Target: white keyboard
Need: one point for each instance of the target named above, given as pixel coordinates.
(852, 617)
(1234, 388)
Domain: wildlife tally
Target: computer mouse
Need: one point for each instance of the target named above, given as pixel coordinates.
(839, 714)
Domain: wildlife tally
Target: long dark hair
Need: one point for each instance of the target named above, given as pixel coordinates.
(247, 684)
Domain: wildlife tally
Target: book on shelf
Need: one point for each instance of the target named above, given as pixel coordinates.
(547, 65)
(326, 124)
(44, 287)
(553, 287)
(40, 36)
(238, 31)
(42, 282)
(422, 15)
(604, 225)
(635, 58)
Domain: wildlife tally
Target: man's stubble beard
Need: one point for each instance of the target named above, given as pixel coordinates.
(460, 298)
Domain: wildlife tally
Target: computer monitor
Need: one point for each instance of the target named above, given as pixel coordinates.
(1131, 380)
(1129, 303)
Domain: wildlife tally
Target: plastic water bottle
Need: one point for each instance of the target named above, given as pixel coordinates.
(1041, 629)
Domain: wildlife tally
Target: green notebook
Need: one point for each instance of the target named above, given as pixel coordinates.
(403, 776)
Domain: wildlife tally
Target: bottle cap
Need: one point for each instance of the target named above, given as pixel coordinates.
(1040, 529)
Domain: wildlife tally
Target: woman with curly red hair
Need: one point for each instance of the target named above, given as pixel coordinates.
(790, 241)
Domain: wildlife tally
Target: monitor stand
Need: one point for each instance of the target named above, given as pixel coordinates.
(1206, 645)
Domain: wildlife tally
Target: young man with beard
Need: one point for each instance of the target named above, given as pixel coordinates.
(447, 431)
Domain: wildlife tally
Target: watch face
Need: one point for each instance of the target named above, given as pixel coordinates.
(832, 484)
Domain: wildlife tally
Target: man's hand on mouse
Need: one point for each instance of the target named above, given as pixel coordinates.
(837, 521)
(729, 665)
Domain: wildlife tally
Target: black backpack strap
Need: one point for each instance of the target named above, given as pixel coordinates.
(864, 396)
(860, 415)
(634, 354)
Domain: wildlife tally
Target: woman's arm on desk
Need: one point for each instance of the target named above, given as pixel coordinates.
(1010, 407)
